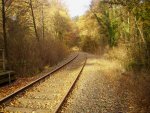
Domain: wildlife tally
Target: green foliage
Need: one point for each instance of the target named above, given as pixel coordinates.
(127, 23)
(112, 30)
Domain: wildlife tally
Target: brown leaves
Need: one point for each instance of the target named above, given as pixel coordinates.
(20, 82)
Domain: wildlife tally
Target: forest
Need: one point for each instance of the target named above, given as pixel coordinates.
(118, 24)
(29, 31)
(37, 33)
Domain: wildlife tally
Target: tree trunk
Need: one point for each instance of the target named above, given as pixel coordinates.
(43, 22)
(34, 23)
(4, 29)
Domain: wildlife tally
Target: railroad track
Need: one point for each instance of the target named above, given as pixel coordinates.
(21, 93)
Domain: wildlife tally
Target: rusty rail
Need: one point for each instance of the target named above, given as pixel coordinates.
(60, 105)
(12, 95)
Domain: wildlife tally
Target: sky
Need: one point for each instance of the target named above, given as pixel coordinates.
(77, 7)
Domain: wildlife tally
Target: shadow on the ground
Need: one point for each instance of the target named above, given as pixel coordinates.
(136, 89)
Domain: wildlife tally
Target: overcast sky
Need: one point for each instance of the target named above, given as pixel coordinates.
(77, 7)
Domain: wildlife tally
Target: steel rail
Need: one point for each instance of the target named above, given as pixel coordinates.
(12, 95)
(60, 105)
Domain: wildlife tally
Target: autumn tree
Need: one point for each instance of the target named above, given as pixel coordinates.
(27, 21)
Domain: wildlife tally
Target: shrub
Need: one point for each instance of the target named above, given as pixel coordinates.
(29, 56)
(89, 45)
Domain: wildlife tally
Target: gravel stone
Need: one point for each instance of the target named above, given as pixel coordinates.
(99, 91)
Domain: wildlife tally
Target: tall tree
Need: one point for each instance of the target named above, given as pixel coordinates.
(4, 29)
(43, 24)
(33, 18)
